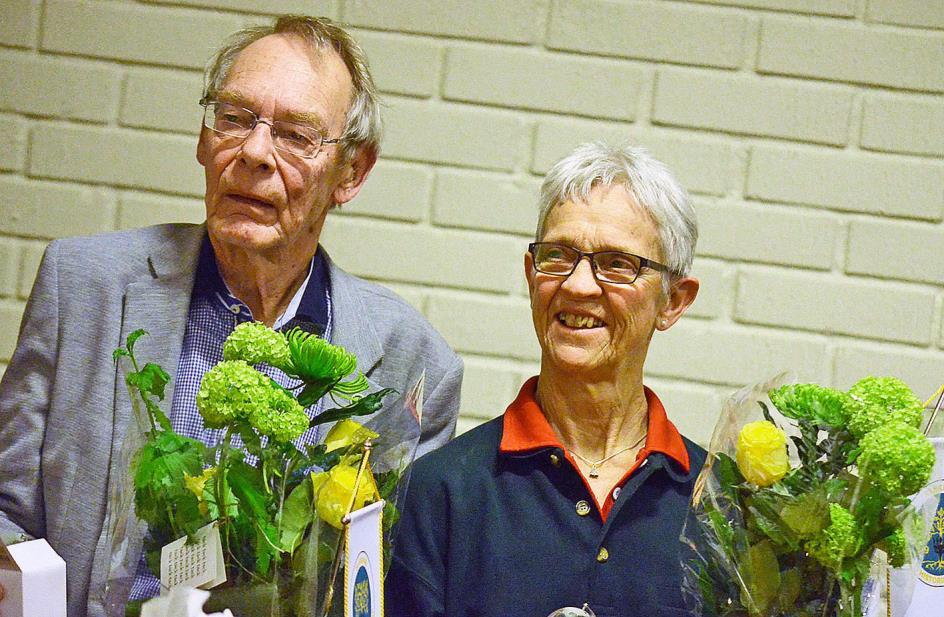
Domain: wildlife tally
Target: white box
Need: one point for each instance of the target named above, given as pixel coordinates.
(33, 581)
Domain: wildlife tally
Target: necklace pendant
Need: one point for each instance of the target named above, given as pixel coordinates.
(593, 473)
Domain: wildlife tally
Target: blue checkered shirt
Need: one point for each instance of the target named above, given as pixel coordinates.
(214, 314)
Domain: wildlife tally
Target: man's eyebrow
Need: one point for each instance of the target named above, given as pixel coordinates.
(234, 97)
(304, 117)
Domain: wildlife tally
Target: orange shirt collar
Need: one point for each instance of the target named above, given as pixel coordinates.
(526, 428)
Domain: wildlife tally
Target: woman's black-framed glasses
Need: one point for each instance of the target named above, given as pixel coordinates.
(233, 121)
(608, 266)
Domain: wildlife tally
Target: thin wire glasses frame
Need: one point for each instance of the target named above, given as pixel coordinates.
(301, 140)
(617, 267)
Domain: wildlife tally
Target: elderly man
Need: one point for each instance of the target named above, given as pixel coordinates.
(291, 128)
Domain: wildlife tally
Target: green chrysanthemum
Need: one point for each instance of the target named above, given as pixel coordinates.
(807, 401)
(283, 420)
(897, 458)
(840, 539)
(254, 342)
(876, 400)
(313, 359)
(231, 391)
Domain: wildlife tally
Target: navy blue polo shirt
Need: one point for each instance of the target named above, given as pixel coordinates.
(501, 522)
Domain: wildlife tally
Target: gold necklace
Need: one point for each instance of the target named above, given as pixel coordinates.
(595, 465)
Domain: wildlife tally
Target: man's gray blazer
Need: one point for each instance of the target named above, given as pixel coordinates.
(64, 407)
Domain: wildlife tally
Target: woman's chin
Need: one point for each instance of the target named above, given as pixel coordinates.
(575, 360)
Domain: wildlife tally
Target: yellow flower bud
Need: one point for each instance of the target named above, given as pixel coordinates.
(197, 484)
(333, 491)
(347, 433)
(762, 453)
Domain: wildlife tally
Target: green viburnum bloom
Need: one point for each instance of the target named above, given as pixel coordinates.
(875, 400)
(840, 539)
(230, 391)
(254, 342)
(313, 359)
(896, 547)
(897, 458)
(808, 401)
(283, 420)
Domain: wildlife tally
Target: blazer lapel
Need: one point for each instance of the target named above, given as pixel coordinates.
(352, 327)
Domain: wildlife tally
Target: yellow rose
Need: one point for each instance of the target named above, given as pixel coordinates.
(333, 490)
(762, 453)
(347, 433)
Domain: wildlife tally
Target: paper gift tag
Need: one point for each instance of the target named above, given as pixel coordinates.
(197, 564)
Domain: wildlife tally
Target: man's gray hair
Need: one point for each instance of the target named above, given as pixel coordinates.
(362, 126)
(650, 182)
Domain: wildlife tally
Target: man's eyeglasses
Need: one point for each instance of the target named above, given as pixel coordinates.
(227, 119)
(607, 266)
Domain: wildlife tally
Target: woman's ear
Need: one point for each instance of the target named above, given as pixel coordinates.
(681, 295)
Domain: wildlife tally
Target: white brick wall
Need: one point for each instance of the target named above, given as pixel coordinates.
(811, 133)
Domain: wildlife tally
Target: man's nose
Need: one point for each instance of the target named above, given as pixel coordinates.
(258, 147)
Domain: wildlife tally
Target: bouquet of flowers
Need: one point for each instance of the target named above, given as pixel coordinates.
(803, 486)
(278, 508)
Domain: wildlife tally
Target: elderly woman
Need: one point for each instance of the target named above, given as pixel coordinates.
(576, 495)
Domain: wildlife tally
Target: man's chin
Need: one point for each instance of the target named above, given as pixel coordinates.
(245, 236)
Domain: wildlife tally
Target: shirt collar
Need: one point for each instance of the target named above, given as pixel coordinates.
(309, 306)
(527, 429)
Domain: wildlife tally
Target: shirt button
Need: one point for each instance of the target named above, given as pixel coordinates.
(616, 492)
(603, 555)
(583, 508)
(555, 460)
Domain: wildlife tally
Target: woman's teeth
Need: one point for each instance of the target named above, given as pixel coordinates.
(579, 321)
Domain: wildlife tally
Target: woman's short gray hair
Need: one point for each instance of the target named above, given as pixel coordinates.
(650, 182)
(362, 127)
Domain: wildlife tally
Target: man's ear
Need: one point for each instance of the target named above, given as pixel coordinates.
(202, 147)
(681, 295)
(356, 172)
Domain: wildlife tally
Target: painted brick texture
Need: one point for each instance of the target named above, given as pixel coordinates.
(810, 133)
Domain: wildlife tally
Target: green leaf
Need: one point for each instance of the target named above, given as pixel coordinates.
(151, 379)
(118, 353)
(807, 515)
(791, 583)
(133, 338)
(297, 515)
(246, 483)
(314, 390)
(761, 573)
(763, 508)
(157, 414)
(362, 407)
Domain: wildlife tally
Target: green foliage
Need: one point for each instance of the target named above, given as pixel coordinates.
(161, 498)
